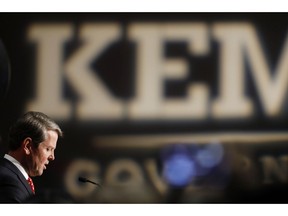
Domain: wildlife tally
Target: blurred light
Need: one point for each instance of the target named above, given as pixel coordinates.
(182, 163)
(179, 170)
(210, 156)
(178, 165)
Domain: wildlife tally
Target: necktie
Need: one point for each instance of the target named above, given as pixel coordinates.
(30, 182)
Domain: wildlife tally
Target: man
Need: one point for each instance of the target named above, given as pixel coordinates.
(31, 145)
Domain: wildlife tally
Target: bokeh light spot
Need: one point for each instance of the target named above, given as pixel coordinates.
(210, 156)
(178, 170)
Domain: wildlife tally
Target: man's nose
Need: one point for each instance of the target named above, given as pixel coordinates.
(51, 157)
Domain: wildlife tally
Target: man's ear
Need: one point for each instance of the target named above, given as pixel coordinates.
(27, 145)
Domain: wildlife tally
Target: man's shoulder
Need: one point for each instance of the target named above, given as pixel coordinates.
(8, 171)
(4, 162)
(7, 166)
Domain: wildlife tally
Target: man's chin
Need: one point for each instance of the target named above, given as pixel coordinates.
(39, 173)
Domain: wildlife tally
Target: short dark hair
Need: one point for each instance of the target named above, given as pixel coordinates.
(34, 125)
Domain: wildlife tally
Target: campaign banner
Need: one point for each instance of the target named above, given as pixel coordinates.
(155, 107)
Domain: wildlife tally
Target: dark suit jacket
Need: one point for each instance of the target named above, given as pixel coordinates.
(14, 188)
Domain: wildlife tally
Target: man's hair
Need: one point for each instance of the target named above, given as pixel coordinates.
(34, 125)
